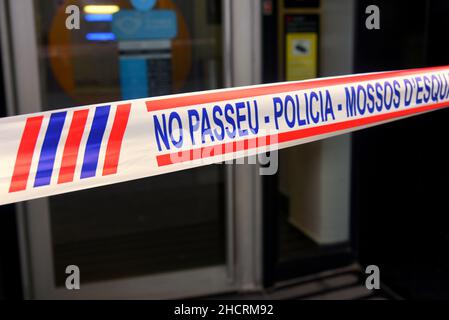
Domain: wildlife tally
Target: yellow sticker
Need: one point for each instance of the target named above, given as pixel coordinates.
(301, 56)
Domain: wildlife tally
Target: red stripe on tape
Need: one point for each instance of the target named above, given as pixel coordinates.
(115, 139)
(72, 146)
(25, 154)
(203, 98)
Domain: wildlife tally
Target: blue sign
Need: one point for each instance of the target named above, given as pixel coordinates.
(140, 25)
(143, 5)
(133, 78)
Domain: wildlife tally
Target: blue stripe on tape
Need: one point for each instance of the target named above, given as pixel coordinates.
(94, 142)
(49, 148)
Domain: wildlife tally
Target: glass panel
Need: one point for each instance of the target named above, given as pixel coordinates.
(159, 224)
(310, 212)
(306, 228)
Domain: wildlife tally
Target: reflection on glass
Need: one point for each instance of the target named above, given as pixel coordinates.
(160, 224)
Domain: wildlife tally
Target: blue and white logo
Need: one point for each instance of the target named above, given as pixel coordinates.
(143, 5)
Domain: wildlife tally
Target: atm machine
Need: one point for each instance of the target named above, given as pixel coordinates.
(144, 39)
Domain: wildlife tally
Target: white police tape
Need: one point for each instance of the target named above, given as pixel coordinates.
(54, 152)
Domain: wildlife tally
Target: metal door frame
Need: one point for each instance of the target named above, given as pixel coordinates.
(241, 27)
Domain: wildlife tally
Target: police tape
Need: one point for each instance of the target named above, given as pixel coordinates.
(71, 149)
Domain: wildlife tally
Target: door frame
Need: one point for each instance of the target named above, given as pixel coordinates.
(241, 26)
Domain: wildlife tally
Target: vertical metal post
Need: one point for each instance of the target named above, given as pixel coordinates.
(229, 170)
(246, 70)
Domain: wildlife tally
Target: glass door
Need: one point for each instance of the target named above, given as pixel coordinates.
(162, 237)
(307, 203)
